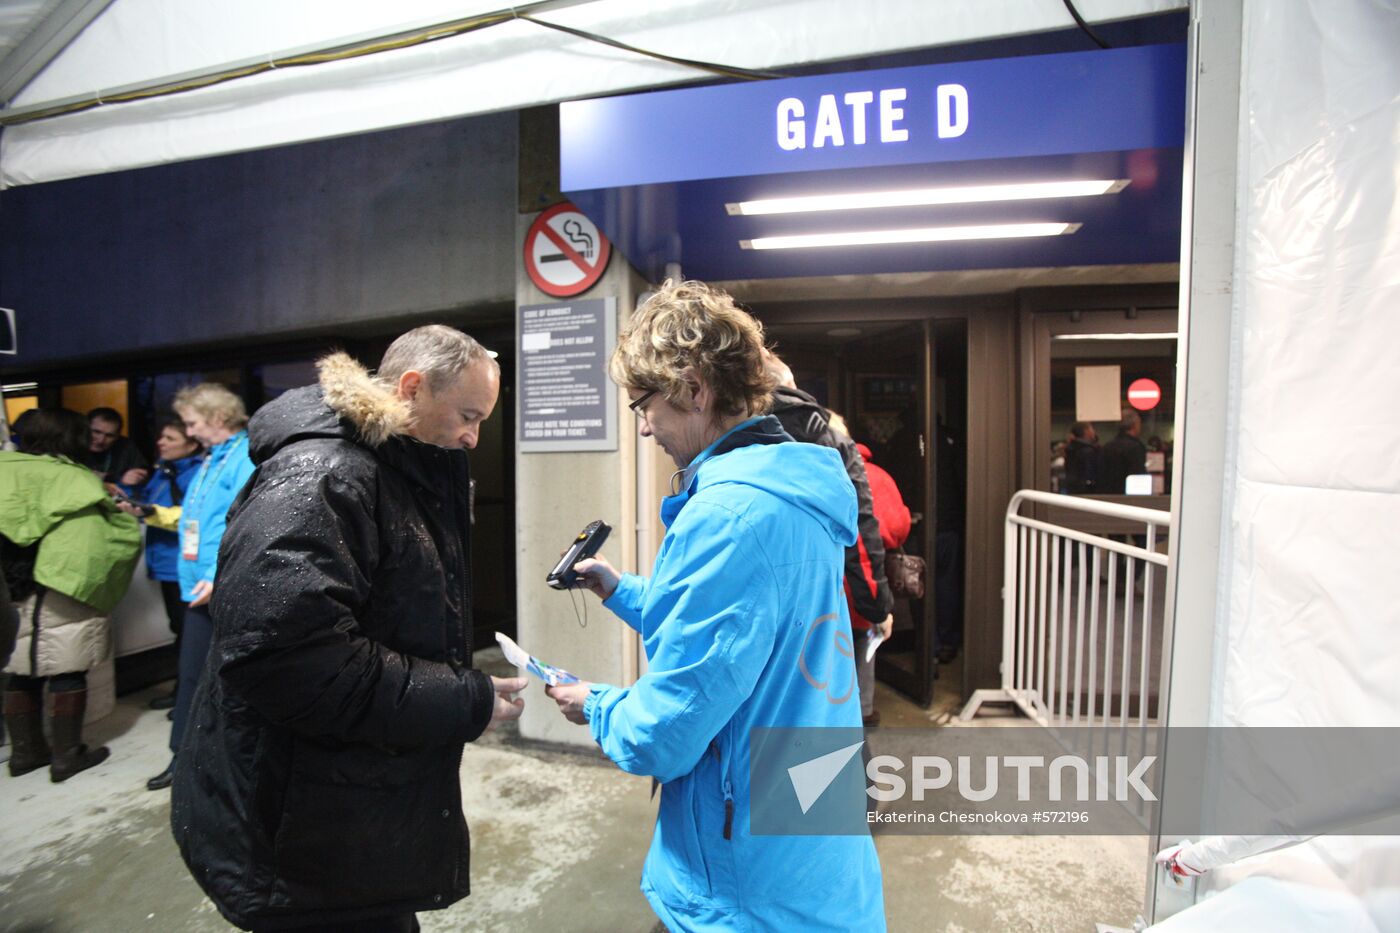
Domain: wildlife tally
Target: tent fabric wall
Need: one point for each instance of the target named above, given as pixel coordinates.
(1310, 620)
(504, 67)
(1314, 601)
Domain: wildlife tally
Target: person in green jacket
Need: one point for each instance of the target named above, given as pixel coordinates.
(69, 553)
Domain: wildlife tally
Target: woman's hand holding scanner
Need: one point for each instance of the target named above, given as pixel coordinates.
(563, 575)
(598, 575)
(508, 705)
(570, 698)
(202, 591)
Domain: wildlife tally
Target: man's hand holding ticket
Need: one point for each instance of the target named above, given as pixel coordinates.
(554, 676)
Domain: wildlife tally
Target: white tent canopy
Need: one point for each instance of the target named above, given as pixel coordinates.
(140, 44)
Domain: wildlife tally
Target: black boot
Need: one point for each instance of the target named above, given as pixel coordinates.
(70, 755)
(164, 779)
(164, 701)
(24, 720)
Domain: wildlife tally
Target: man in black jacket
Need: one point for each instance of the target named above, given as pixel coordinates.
(1125, 455)
(807, 421)
(320, 789)
(1083, 460)
(112, 456)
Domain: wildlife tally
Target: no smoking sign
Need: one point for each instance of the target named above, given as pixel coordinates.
(565, 252)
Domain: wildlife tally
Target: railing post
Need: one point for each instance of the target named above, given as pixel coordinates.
(1010, 597)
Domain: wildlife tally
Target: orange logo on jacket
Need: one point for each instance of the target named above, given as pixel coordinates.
(842, 640)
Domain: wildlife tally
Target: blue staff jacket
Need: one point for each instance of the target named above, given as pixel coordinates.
(751, 561)
(215, 487)
(162, 546)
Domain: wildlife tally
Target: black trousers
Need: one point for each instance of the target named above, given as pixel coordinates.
(9, 625)
(194, 650)
(175, 607)
(391, 923)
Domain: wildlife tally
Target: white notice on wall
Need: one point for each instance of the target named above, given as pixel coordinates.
(1098, 393)
(533, 343)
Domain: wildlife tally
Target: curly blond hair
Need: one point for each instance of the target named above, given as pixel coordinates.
(693, 328)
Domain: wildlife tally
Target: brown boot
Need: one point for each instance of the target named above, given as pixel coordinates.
(25, 723)
(70, 755)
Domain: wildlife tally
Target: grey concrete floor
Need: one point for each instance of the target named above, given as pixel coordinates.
(558, 840)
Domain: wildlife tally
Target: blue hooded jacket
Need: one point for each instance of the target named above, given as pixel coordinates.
(163, 547)
(221, 477)
(751, 564)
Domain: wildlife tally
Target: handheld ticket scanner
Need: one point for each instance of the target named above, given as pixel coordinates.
(589, 540)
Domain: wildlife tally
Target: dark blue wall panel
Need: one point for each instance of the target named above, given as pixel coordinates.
(304, 238)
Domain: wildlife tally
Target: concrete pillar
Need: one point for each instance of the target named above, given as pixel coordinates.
(556, 495)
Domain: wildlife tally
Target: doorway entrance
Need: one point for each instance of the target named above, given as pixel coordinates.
(901, 388)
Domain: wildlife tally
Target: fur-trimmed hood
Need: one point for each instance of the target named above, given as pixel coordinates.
(347, 403)
(368, 403)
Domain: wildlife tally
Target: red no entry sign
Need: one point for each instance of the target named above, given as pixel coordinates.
(565, 252)
(1144, 394)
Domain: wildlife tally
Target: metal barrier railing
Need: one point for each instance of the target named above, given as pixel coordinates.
(1080, 616)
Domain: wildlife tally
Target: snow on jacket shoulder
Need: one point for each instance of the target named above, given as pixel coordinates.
(743, 621)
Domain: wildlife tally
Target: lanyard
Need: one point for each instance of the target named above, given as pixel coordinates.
(198, 489)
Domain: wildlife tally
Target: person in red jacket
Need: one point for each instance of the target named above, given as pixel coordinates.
(893, 517)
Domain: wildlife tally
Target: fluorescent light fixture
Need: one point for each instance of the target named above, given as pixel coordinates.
(1114, 337)
(915, 197)
(19, 386)
(917, 235)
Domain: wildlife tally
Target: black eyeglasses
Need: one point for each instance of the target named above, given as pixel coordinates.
(637, 404)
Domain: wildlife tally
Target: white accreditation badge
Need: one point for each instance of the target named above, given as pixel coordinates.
(189, 545)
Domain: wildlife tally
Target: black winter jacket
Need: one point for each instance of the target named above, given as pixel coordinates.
(803, 418)
(1083, 467)
(319, 777)
(1123, 456)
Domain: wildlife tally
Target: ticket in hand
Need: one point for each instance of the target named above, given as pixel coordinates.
(554, 676)
(876, 640)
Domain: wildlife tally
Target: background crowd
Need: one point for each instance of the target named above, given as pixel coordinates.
(74, 494)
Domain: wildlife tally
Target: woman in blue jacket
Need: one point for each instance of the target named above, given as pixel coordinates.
(216, 418)
(178, 457)
(745, 627)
